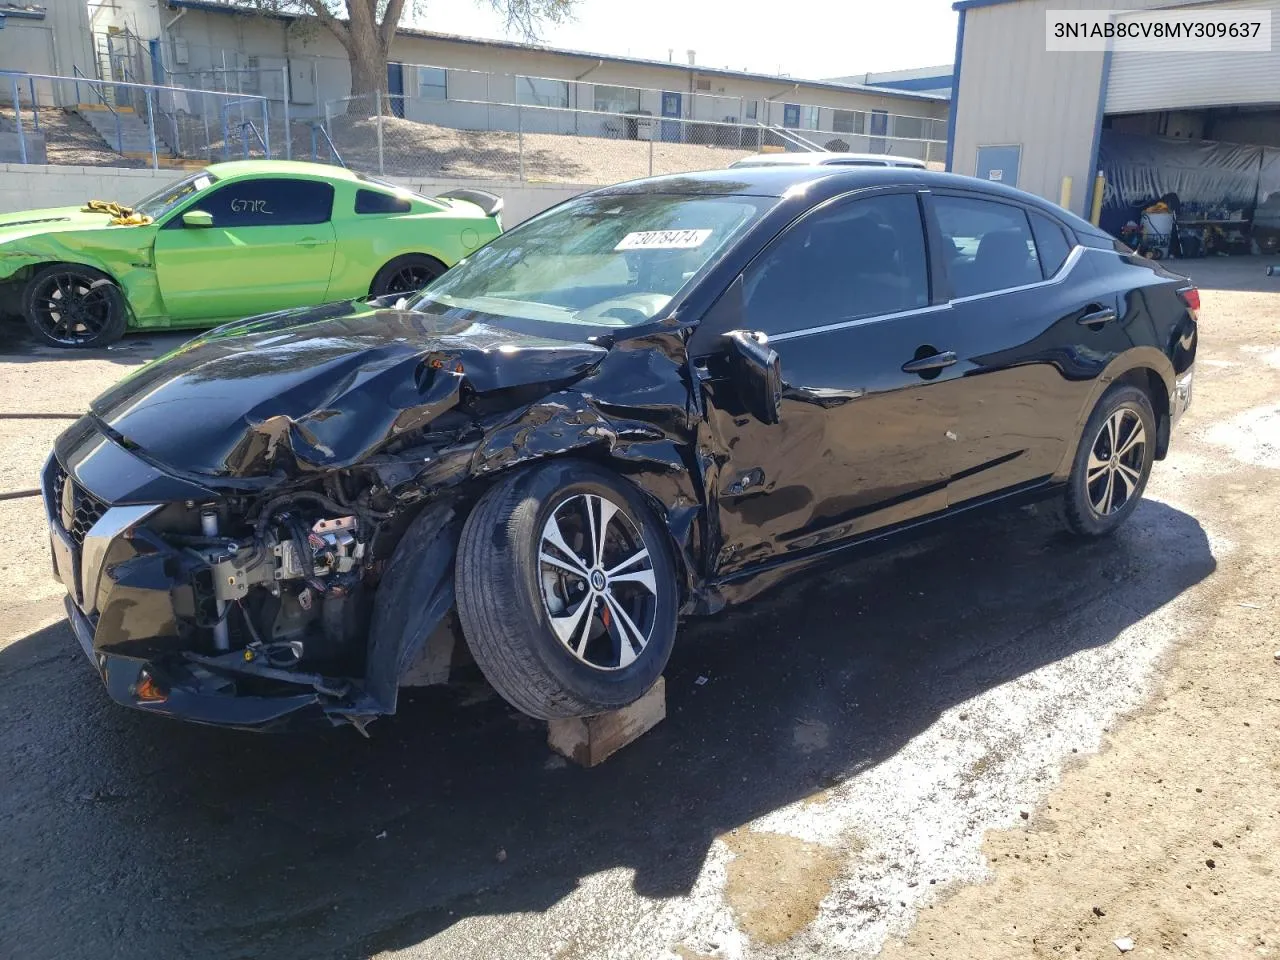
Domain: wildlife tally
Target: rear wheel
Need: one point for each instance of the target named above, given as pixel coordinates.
(66, 305)
(566, 590)
(407, 274)
(1112, 464)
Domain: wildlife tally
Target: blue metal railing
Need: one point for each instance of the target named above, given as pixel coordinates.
(102, 98)
(252, 109)
(245, 126)
(318, 132)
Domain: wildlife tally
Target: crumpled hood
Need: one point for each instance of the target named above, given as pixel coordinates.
(17, 226)
(321, 387)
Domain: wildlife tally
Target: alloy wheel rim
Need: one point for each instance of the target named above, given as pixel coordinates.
(69, 310)
(597, 580)
(1116, 461)
(409, 280)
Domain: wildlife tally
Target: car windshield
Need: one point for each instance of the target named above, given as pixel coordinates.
(165, 199)
(612, 261)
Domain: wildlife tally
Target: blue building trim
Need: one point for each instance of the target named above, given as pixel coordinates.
(971, 4)
(918, 83)
(1097, 130)
(955, 94)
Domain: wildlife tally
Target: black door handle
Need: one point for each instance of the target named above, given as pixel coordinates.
(927, 364)
(1097, 316)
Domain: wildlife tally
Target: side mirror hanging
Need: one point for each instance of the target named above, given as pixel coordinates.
(757, 373)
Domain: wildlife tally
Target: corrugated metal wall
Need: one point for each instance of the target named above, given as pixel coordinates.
(1163, 81)
(1012, 91)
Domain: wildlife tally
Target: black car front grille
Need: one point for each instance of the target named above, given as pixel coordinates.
(78, 509)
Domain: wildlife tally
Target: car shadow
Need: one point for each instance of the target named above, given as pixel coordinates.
(17, 345)
(131, 835)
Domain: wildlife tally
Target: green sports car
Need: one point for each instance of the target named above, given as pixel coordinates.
(229, 241)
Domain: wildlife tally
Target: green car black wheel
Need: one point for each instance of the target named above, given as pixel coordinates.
(72, 306)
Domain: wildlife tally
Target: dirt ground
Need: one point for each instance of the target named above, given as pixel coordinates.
(1170, 837)
(990, 742)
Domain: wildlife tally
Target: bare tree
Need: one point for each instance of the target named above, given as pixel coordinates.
(365, 28)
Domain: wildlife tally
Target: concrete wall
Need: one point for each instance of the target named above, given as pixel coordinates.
(35, 186)
(53, 45)
(25, 45)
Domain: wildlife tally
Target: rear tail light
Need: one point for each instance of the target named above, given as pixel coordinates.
(1191, 297)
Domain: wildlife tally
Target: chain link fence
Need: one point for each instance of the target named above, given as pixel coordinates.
(546, 130)
(479, 139)
(123, 123)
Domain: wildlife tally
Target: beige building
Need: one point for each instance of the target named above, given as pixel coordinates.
(473, 84)
(51, 37)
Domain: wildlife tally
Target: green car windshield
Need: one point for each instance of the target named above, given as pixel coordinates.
(614, 260)
(166, 198)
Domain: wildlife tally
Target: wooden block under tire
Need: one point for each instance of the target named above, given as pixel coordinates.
(590, 740)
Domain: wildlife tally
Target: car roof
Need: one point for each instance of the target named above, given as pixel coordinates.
(295, 168)
(826, 157)
(823, 182)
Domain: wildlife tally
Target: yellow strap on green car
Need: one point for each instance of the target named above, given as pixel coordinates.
(121, 216)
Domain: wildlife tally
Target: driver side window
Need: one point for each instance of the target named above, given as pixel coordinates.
(267, 203)
(862, 258)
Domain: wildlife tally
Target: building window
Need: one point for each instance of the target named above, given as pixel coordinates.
(433, 83)
(912, 128)
(541, 92)
(791, 114)
(752, 109)
(617, 99)
(809, 117)
(849, 121)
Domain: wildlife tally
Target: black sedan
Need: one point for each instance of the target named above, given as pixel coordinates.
(648, 402)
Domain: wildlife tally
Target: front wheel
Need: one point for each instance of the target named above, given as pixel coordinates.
(1113, 463)
(66, 305)
(566, 590)
(407, 274)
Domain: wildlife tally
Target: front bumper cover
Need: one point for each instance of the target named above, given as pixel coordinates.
(131, 600)
(190, 692)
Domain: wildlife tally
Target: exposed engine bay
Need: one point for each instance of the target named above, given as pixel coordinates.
(289, 596)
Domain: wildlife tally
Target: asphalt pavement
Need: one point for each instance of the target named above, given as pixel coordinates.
(884, 714)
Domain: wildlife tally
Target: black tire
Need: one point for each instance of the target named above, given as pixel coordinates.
(1100, 460)
(407, 274)
(67, 305)
(505, 592)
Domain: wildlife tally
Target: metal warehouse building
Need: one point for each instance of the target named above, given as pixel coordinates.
(1203, 127)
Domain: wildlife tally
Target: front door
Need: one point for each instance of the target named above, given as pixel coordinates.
(672, 106)
(844, 299)
(271, 247)
(395, 88)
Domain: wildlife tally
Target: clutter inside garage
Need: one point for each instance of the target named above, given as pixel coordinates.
(1193, 183)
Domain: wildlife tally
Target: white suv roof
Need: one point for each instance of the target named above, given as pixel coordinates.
(826, 158)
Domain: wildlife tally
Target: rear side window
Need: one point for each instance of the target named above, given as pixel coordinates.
(268, 203)
(371, 201)
(988, 245)
(1051, 242)
(862, 258)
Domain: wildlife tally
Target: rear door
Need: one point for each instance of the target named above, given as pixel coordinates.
(271, 247)
(844, 298)
(1035, 322)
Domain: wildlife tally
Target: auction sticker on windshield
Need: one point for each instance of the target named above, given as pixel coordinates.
(663, 240)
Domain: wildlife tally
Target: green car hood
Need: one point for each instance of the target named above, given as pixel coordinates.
(29, 223)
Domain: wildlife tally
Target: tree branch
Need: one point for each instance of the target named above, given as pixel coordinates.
(390, 20)
(337, 27)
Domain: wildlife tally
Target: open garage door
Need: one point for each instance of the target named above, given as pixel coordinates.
(1144, 81)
